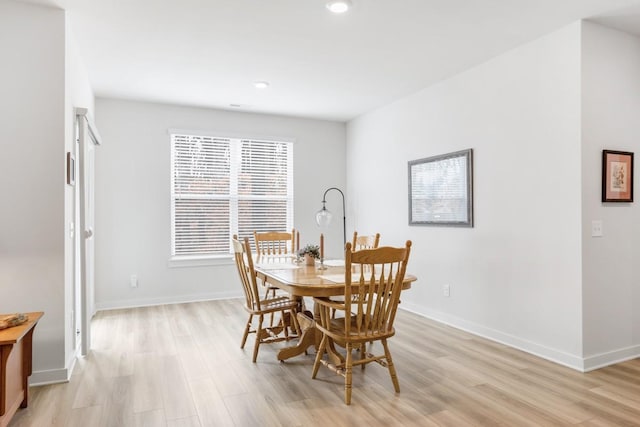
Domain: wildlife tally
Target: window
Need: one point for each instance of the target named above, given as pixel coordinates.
(226, 186)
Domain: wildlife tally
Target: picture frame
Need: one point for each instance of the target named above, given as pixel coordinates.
(71, 169)
(441, 190)
(617, 176)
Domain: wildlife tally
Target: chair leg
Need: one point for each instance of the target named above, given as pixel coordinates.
(319, 355)
(363, 354)
(392, 369)
(266, 296)
(294, 323)
(258, 338)
(246, 331)
(285, 327)
(348, 365)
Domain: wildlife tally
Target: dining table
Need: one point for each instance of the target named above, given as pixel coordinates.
(326, 279)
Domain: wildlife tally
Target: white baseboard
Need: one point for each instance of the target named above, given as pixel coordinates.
(52, 376)
(553, 355)
(601, 360)
(147, 302)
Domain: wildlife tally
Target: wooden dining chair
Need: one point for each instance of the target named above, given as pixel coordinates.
(273, 244)
(276, 242)
(373, 281)
(259, 307)
(365, 242)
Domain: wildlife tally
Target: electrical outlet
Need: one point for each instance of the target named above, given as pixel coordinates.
(133, 281)
(446, 290)
(596, 228)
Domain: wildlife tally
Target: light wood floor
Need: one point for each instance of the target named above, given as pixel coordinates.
(181, 365)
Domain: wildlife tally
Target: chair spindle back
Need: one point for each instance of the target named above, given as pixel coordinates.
(373, 281)
(365, 242)
(246, 270)
(276, 242)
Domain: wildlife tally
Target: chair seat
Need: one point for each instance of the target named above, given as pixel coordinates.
(337, 329)
(272, 305)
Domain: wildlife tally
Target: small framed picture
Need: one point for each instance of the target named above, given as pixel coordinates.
(617, 176)
(71, 169)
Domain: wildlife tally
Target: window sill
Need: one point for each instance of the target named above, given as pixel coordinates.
(195, 261)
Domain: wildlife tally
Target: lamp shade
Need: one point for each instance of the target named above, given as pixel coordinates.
(323, 217)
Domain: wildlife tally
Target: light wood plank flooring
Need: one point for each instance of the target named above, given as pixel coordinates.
(181, 365)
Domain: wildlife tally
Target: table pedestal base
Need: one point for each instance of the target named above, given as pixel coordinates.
(307, 339)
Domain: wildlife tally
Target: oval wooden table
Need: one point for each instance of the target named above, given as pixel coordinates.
(301, 281)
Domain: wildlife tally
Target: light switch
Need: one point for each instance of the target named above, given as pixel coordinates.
(596, 228)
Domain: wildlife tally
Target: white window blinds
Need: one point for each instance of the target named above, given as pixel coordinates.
(226, 186)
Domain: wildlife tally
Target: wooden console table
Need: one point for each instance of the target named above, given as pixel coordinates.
(15, 367)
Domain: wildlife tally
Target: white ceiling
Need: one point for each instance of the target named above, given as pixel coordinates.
(209, 52)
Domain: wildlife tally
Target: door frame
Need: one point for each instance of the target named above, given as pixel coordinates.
(87, 134)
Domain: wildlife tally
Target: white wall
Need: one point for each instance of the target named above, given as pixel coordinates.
(32, 134)
(610, 105)
(133, 199)
(516, 275)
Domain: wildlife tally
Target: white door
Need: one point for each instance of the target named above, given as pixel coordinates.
(88, 140)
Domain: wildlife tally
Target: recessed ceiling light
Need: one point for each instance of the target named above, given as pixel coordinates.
(339, 6)
(261, 84)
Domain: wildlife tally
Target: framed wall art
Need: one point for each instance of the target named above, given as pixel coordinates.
(617, 176)
(441, 190)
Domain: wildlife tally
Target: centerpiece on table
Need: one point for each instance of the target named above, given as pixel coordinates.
(310, 253)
